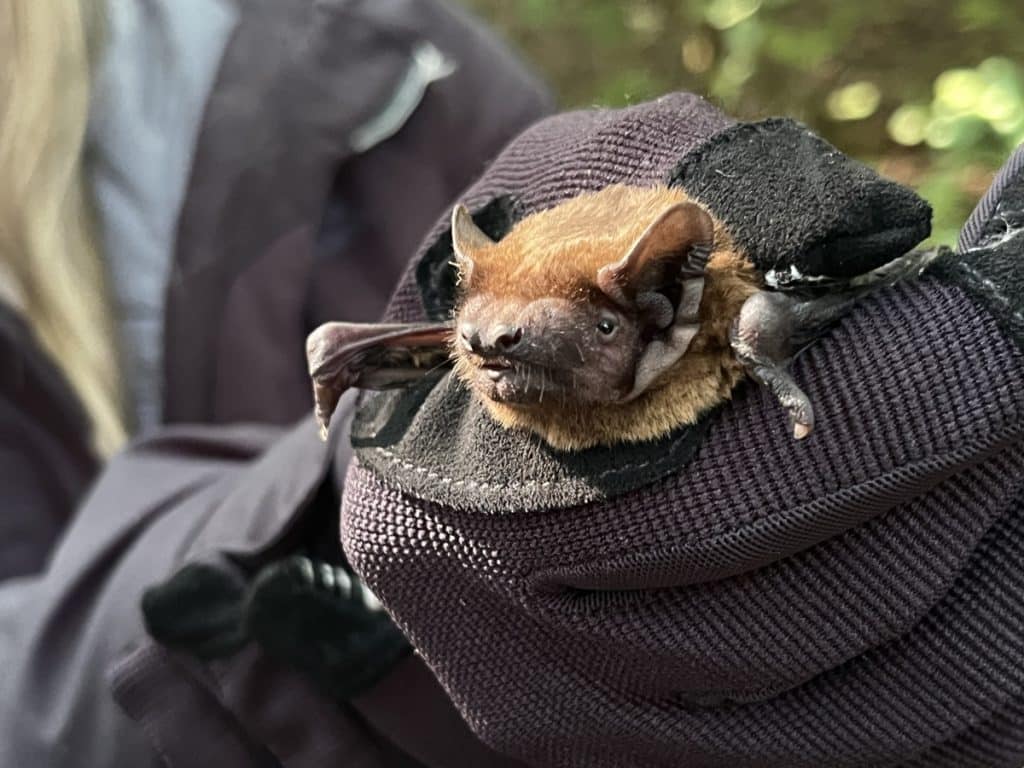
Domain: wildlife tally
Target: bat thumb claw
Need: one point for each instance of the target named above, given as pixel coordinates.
(800, 431)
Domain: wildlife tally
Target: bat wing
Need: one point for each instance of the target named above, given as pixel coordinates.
(905, 267)
(371, 356)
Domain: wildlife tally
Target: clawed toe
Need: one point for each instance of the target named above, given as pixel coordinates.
(800, 430)
(760, 339)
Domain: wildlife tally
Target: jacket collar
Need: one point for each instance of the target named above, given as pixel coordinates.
(301, 89)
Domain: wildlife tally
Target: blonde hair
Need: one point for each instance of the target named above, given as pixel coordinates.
(50, 263)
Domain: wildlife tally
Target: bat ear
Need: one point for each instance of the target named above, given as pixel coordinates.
(675, 245)
(467, 239)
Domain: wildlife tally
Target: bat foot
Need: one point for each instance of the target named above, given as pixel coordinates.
(778, 381)
(761, 340)
(800, 431)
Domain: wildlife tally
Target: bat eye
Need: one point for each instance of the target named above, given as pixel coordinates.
(607, 326)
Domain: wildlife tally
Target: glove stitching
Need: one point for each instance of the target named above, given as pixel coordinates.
(431, 475)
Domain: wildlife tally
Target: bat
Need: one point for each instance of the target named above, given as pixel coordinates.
(615, 316)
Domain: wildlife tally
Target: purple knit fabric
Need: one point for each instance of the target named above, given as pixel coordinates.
(581, 637)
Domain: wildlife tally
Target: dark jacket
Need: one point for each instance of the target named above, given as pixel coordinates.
(82, 682)
(301, 206)
(289, 222)
(45, 464)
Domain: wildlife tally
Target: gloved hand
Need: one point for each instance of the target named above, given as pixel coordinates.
(323, 621)
(738, 598)
(307, 613)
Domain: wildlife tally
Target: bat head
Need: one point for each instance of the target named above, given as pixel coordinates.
(604, 319)
(549, 316)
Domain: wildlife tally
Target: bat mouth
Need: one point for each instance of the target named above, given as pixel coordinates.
(515, 382)
(496, 370)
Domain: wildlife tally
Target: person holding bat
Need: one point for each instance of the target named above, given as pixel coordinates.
(712, 589)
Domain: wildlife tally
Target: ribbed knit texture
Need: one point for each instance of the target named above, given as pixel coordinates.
(884, 624)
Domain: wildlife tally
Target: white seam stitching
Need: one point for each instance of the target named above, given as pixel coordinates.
(395, 459)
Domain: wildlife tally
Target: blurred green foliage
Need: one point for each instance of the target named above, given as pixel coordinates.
(929, 92)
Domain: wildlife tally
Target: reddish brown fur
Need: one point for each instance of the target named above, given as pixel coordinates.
(558, 252)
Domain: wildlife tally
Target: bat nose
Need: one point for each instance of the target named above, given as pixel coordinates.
(505, 338)
(498, 339)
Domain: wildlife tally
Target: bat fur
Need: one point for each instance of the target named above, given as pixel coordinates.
(558, 252)
(615, 316)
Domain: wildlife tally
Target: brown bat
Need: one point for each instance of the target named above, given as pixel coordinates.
(616, 316)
